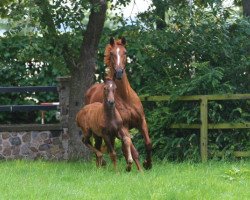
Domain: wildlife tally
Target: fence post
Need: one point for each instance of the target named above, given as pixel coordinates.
(203, 129)
(63, 90)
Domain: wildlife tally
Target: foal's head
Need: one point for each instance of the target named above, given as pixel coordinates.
(116, 56)
(109, 92)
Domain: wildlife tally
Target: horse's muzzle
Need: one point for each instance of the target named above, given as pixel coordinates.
(119, 73)
(111, 103)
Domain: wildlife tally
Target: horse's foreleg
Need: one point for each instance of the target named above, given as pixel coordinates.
(87, 142)
(144, 130)
(98, 144)
(110, 145)
(127, 152)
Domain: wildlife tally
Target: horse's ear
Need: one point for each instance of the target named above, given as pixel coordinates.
(112, 41)
(123, 41)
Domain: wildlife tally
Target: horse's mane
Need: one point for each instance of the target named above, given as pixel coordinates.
(108, 50)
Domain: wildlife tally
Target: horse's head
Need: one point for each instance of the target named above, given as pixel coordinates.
(118, 57)
(109, 92)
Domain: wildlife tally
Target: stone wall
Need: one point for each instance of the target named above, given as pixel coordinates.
(48, 145)
(40, 141)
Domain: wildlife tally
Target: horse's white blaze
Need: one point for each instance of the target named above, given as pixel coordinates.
(110, 85)
(118, 56)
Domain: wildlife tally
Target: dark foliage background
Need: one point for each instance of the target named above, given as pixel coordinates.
(196, 50)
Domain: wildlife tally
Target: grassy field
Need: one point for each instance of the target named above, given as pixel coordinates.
(80, 180)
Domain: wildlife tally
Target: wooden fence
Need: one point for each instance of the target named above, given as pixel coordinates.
(204, 126)
(27, 108)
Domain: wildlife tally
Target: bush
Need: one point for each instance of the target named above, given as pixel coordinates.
(205, 54)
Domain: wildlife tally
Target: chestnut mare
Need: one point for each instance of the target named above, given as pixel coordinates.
(128, 103)
(102, 120)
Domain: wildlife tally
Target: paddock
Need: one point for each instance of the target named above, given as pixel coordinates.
(166, 180)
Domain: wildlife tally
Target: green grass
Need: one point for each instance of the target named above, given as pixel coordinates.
(80, 180)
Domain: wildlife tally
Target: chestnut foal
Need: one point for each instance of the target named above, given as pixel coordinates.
(102, 120)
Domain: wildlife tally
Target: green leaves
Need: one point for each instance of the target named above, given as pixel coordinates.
(203, 52)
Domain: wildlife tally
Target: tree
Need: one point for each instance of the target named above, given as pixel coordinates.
(81, 69)
(246, 7)
(82, 74)
(203, 36)
(67, 40)
(160, 9)
(212, 44)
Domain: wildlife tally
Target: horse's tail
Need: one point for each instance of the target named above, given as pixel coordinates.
(94, 94)
(77, 119)
(86, 98)
(87, 95)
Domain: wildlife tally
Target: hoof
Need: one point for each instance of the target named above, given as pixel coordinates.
(103, 163)
(128, 168)
(147, 165)
(100, 162)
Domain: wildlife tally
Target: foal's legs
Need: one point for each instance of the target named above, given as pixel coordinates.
(87, 142)
(126, 144)
(98, 144)
(110, 141)
(135, 156)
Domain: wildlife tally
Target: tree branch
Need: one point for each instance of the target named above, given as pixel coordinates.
(46, 18)
(47, 22)
(92, 35)
(246, 7)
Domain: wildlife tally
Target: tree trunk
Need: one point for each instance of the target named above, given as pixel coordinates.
(82, 75)
(246, 7)
(160, 13)
(79, 83)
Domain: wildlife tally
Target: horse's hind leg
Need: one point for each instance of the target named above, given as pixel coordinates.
(98, 144)
(144, 130)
